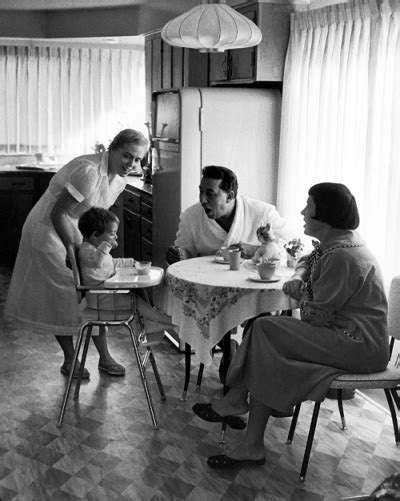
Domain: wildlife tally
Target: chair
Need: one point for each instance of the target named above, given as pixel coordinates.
(387, 380)
(97, 317)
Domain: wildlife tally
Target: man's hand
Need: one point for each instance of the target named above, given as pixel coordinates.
(294, 287)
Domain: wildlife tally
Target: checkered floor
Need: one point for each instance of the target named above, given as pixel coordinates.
(107, 449)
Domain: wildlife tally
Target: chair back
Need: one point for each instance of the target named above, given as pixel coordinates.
(73, 259)
(394, 308)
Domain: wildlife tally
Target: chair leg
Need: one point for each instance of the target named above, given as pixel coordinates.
(396, 398)
(156, 373)
(199, 376)
(70, 377)
(83, 361)
(188, 358)
(341, 411)
(389, 393)
(310, 439)
(293, 423)
(143, 377)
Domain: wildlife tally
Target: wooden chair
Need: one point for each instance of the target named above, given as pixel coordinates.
(103, 318)
(387, 380)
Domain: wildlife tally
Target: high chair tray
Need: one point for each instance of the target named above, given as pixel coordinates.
(128, 277)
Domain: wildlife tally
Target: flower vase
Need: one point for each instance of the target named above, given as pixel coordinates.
(291, 261)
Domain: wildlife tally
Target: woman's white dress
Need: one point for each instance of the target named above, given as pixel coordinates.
(41, 296)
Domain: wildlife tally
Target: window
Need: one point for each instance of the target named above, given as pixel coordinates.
(62, 99)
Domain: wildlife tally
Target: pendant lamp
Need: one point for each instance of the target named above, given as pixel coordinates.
(212, 26)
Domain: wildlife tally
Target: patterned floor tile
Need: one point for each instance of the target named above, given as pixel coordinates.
(107, 449)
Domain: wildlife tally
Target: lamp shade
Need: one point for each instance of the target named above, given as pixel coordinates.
(211, 27)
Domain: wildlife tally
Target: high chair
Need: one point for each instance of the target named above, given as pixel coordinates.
(107, 318)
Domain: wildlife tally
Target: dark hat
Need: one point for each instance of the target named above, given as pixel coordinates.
(335, 205)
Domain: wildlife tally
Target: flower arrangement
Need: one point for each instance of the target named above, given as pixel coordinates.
(294, 246)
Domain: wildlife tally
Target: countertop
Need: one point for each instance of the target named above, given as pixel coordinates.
(134, 181)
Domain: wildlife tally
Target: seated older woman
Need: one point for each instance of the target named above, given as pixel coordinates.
(283, 361)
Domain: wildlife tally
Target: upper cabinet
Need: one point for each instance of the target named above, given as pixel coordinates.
(263, 63)
(172, 67)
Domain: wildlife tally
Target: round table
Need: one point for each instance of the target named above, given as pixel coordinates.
(206, 299)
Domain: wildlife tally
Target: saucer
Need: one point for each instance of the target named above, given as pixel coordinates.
(256, 278)
(249, 265)
(220, 260)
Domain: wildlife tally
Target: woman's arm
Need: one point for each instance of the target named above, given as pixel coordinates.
(64, 206)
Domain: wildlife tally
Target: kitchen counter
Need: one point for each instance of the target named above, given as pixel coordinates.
(135, 181)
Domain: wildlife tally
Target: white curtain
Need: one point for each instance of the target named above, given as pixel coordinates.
(341, 116)
(62, 100)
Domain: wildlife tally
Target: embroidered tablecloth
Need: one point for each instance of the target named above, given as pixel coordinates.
(206, 299)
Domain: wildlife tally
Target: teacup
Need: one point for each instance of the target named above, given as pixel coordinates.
(266, 270)
(225, 253)
(142, 267)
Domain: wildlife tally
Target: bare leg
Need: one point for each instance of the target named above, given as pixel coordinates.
(233, 403)
(67, 347)
(100, 342)
(252, 446)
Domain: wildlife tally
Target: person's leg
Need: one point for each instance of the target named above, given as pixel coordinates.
(100, 341)
(252, 446)
(67, 346)
(233, 403)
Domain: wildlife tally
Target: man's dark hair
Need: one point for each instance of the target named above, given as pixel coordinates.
(96, 220)
(228, 178)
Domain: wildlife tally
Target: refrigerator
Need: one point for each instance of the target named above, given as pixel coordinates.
(195, 127)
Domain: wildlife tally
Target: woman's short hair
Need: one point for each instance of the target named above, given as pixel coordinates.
(228, 178)
(128, 136)
(335, 205)
(96, 220)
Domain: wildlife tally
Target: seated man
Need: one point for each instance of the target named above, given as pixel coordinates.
(222, 217)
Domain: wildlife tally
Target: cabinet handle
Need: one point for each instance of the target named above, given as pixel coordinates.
(17, 184)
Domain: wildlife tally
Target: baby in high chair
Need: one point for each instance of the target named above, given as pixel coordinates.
(99, 230)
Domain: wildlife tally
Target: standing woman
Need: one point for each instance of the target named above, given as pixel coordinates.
(41, 296)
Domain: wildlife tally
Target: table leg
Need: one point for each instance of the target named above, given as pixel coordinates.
(188, 357)
(226, 348)
(199, 377)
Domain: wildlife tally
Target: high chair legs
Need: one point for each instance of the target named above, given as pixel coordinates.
(142, 371)
(87, 328)
(71, 374)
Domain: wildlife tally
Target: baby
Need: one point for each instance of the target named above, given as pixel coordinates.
(99, 230)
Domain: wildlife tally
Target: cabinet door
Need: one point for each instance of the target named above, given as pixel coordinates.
(219, 66)
(14, 209)
(118, 210)
(166, 65)
(156, 64)
(132, 234)
(242, 60)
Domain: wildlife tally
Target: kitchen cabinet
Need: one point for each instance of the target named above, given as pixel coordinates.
(263, 63)
(19, 191)
(138, 224)
(171, 67)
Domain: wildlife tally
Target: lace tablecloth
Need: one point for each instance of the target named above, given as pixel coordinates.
(206, 299)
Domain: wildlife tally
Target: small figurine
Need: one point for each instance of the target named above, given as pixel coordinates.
(268, 248)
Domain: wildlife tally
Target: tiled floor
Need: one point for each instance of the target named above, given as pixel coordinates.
(107, 449)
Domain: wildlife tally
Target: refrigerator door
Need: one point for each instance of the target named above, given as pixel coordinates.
(240, 130)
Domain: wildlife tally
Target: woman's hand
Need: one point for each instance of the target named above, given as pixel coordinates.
(294, 287)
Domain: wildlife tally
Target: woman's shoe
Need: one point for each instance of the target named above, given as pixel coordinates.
(206, 412)
(66, 369)
(112, 369)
